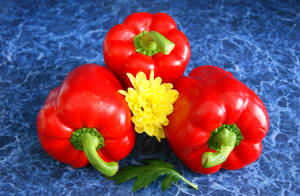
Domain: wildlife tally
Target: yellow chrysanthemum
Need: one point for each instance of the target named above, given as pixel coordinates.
(150, 102)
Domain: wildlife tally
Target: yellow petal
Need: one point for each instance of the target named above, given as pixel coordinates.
(167, 86)
(132, 79)
(140, 77)
(156, 82)
(149, 129)
(122, 92)
(161, 133)
(165, 122)
(151, 75)
(139, 129)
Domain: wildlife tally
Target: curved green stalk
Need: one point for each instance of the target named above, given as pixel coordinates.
(223, 140)
(90, 141)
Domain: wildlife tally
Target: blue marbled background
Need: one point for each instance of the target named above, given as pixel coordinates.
(41, 41)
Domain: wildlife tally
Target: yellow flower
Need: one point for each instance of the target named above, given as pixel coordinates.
(150, 102)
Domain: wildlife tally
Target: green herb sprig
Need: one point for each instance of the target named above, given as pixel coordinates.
(146, 174)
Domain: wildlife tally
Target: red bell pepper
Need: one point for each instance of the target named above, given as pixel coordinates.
(145, 42)
(87, 120)
(218, 122)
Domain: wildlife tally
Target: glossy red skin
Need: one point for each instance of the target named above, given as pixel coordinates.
(210, 97)
(88, 97)
(120, 55)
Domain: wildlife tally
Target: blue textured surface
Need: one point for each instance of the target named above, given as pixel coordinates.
(40, 42)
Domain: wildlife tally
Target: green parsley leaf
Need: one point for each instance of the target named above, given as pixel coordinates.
(146, 174)
(167, 181)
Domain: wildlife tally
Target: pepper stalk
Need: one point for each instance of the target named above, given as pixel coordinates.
(224, 139)
(151, 42)
(90, 141)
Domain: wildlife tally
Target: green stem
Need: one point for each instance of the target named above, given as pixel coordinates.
(210, 159)
(150, 43)
(195, 186)
(90, 144)
(224, 139)
(90, 141)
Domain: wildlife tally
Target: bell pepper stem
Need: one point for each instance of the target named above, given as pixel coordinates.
(165, 46)
(152, 42)
(90, 143)
(225, 141)
(210, 159)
